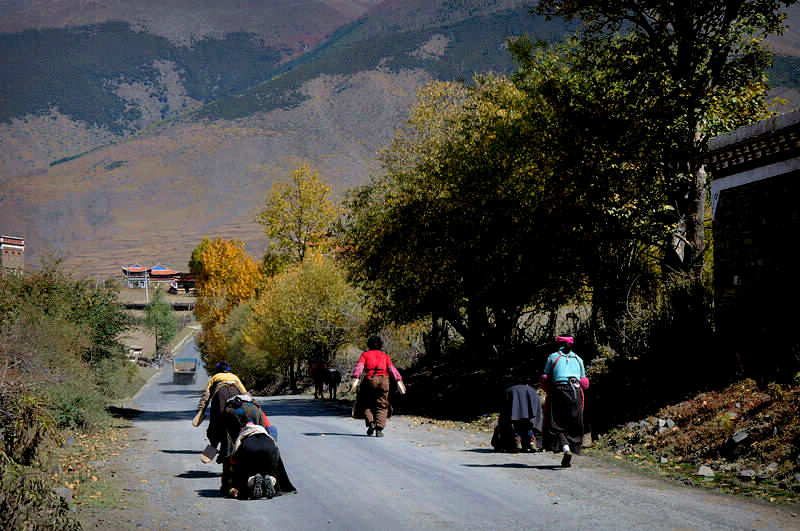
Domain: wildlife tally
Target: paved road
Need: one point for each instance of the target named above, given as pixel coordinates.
(415, 477)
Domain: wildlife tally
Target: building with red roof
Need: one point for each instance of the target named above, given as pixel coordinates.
(137, 276)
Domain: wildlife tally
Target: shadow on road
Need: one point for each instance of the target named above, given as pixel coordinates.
(209, 493)
(326, 434)
(199, 474)
(179, 451)
(482, 451)
(303, 407)
(138, 414)
(516, 465)
(194, 392)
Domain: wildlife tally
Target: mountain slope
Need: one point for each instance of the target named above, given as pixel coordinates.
(156, 144)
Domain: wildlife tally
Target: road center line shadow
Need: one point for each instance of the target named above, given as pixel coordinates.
(516, 465)
(320, 434)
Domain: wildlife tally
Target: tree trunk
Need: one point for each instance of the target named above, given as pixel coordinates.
(695, 225)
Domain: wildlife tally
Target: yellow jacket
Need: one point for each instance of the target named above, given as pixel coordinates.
(226, 377)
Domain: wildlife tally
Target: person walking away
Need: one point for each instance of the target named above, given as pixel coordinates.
(520, 420)
(221, 386)
(373, 396)
(254, 467)
(564, 379)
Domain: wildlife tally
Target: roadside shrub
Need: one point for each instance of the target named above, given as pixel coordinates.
(118, 377)
(25, 424)
(78, 404)
(28, 501)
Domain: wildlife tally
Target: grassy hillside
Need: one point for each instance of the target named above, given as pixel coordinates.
(82, 72)
(469, 46)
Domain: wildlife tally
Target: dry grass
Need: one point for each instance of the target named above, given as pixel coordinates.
(765, 462)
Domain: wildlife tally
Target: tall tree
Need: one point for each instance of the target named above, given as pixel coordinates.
(459, 226)
(196, 260)
(304, 314)
(298, 213)
(691, 59)
(607, 179)
(159, 318)
(228, 278)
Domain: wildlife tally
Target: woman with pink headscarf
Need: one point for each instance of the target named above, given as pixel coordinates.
(564, 379)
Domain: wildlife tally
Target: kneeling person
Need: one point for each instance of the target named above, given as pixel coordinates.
(255, 465)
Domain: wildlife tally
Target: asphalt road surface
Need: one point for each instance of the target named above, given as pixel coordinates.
(416, 477)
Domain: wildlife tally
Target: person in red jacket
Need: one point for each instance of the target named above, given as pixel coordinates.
(373, 397)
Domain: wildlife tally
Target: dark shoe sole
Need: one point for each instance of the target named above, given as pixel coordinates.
(269, 488)
(370, 430)
(258, 486)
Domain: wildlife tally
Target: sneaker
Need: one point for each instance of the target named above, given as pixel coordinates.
(371, 428)
(258, 486)
(233, 493)
(565, 461)
(269, 487)
(379, 433)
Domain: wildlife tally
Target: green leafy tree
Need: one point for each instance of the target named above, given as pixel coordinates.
(196, 260)
(699, 67)
(460, 225)
(298, 214)
(81, 302)
(160, 319)
(606, 179)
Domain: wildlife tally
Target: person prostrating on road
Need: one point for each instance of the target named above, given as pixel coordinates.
(255, 467)
(372, 400)
(223, 385)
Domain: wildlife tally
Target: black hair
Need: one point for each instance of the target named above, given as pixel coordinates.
(374, 343)
(223, 367)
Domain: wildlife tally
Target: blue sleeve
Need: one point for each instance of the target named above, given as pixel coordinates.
(549, 365)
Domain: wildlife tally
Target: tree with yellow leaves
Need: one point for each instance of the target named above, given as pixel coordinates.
(298, 213)
(302, 315)
(227, 278)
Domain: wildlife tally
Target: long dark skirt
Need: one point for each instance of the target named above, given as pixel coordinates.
(258, 454)
(216, 431)
(564, 418)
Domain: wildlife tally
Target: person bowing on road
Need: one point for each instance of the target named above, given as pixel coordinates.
(372, 400)
(221, 386)
(564, 379)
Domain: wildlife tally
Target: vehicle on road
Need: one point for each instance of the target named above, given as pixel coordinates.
(184, 370)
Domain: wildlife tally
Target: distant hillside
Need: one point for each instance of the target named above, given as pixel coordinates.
(67, 87)
(449, 51)
(286, 24)
(121, 143)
